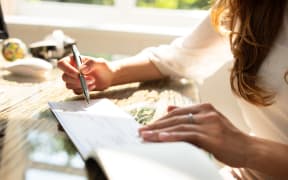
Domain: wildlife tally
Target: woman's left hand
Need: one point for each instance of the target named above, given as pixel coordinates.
(204, 126)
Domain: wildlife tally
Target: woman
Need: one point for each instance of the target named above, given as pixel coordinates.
(258, 46)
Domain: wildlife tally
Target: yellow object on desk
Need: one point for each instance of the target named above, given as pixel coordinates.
(14, 49)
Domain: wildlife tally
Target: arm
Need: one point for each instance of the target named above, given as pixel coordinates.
(268, 156)
(137, 68)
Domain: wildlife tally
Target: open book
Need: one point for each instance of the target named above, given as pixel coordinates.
(104, 132)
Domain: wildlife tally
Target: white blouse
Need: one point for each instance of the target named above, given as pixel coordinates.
(202, 52)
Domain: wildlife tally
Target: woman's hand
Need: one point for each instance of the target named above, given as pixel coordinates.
(97, 72)
(206, 128)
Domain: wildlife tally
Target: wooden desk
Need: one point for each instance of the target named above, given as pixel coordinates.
(31, 146)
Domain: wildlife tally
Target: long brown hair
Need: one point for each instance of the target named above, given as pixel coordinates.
(254, 25)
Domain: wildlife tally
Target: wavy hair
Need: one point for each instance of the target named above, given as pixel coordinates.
(254, 26)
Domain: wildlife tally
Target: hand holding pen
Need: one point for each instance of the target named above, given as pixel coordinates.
(98, 73)
(78, 62)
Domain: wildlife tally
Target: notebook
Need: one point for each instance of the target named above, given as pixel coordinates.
(102, 131)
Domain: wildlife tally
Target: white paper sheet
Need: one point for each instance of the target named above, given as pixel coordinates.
(98, 124)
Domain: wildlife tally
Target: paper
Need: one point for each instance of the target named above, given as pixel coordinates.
(169, 161)
(99, 124)
(104, 132)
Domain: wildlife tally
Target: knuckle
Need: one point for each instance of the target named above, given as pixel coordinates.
(219, 128)
(68, 86)
(90, 62)
(183, 127)
(213, 115)
(154, 126)
(175, 119)
(207, 106)
(60, 63)
(175, 111)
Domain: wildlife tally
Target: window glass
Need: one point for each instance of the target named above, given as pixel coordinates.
(168, 4)
(175, 4)
(98, 2)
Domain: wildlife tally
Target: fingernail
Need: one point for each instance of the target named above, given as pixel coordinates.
(90, 81)
(163, 135)
(85, 69)
(147, 134)
(143, 128)
(171, 107)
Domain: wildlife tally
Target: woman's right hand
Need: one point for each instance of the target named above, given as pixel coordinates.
(97, 72)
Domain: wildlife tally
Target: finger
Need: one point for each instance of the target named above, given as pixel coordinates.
(78, 91)
(68, 67)
(73, 86)
(180, 111)
(194, 109)
(171, 121)
(171, 107)
(154, 135)
(191, 137)
(90, 65)
(69, 79)
(76, 81)
(195, 138)
(77, 88)
(91, 87)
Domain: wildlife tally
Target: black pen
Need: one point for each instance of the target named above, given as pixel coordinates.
(78, 61)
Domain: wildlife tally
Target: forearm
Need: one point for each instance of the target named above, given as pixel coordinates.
(134, 69)
(268, 157)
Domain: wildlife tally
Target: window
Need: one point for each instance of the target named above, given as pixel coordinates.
(169, 4)
(99, 2)
(113, 24)
(153, 13)
(175, 4)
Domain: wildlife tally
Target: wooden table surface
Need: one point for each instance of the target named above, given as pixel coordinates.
(32, 146)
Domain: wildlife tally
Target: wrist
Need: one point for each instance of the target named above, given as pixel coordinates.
(255, 152)
(115, 69)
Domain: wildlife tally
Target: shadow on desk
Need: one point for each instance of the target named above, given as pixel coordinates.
(23, 79)
(94, 172)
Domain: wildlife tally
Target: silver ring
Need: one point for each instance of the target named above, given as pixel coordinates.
(190, 118)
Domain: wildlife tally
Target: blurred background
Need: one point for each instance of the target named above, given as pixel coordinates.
(105, 27)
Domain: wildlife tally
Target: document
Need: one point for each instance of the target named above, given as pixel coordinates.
(104, 132)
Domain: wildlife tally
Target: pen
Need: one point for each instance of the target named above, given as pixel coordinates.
(78, 61)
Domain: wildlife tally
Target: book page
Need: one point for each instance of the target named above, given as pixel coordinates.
(98, 124)
(169, 161)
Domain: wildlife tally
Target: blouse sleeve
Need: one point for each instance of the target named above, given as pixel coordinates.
(197, 55)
